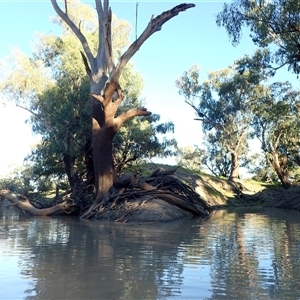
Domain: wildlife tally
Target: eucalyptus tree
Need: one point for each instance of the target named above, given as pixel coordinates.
(223, 107)
(191, 158)
(276, 125)
(217, 159)
(271, 23)
(106, 93)
(60, 113)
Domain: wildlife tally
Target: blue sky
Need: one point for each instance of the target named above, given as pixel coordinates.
(190, 38)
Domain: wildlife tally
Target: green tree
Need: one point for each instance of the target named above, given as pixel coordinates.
(19, 180)
(60, 114)
(275, 22)
(191, 158)
(217, 159)
(224, 109)
(140, 139)
(276, 125)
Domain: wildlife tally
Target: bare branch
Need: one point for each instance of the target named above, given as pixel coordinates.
(66, 6)
(104, 56)
(77, 32)
(154, 25)
(135, 112)
(24, 204)
(38, 117)
(203, 118)
(86, 64)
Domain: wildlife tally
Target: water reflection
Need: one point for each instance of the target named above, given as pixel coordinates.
(231, 255)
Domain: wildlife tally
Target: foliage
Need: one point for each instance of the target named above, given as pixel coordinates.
(18, 181)
(224, 108)
(191, 158)
(272, 23)
(276, 125)
(139, 140)
(217, 159)
(262, 171)
(23, 180)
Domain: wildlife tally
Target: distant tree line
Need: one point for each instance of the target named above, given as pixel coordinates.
(237, 104)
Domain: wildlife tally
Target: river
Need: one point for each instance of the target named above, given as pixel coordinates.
(230, 255)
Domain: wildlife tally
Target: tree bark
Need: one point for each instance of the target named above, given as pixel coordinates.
(235, 167)
(281, 170)
(103, 161)
(68, 163)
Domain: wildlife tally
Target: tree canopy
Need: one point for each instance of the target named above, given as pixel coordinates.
(276, 125)
(106, 105)
(223, 105)
(274, 23)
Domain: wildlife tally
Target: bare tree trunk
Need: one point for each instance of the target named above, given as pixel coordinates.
(281, 170)
(68, 163)
(235, 167)
(89, 164)
(103, 161)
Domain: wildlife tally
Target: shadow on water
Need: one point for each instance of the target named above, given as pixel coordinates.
(67, 258)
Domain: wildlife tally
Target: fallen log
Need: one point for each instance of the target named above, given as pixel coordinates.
(24, 204)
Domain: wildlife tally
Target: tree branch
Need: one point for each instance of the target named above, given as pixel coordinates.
(135, 112)
(104, 57)
(203, 118)
(77, 32)
(154, 25)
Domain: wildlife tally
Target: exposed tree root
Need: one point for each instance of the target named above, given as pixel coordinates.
(127, 197)
(160, 184)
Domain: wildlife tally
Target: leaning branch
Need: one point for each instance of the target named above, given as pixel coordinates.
(154, 25)
(76, 30)
(135, 112)
(203, 118)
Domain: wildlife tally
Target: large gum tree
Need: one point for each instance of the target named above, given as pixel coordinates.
(105, 91)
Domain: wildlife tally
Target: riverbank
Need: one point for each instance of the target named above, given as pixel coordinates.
(209, 193)
(218, 192)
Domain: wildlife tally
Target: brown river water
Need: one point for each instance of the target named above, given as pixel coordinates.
(231, 255)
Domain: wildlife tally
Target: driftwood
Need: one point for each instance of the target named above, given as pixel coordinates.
(161, 184)
(24, 204)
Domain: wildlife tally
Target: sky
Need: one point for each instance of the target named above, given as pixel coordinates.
(190, 38)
